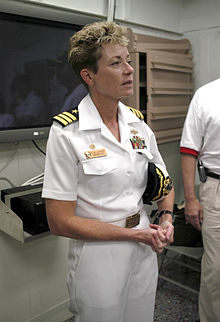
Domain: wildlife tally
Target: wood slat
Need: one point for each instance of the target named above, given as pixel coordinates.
(171, 92)
(166, 134)
(183, 62)
(168, 112)
(174, 55)
(168, 109)
(143, 47)
(152, 39)
(138, 41)
(170, 85)
(169, 139)
(171, 68)
(166, 124)
(169, 88)
(168, 117)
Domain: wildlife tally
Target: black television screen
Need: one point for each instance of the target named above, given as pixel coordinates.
(36, 81)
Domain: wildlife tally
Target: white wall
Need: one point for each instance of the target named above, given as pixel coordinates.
(157, 17)
(199, 14)
(32, 283)
(33, 277)
(200, 23)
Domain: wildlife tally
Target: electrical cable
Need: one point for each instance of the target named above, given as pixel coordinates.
(38, 147)
(35, 180)
(6, 179)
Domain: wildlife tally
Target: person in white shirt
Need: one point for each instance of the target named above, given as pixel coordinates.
(73, 98)
(201, 143)
(95, 176)
(27, 106)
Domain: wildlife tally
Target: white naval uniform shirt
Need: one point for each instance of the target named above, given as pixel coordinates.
(201, 131)
(107, 188)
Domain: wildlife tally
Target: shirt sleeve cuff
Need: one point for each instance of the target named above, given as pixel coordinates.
(189, 151)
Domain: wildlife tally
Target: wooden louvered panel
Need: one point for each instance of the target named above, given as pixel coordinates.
(163, 83)
(168, 76)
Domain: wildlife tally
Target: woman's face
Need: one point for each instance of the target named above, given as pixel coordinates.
(114, 78)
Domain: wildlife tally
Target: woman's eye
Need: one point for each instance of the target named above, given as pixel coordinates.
(115, 63)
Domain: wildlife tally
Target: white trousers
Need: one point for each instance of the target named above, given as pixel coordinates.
(209, 297)
(112, 281)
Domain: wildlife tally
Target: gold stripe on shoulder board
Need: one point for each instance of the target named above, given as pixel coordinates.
(136, 112)
(67, 117)
(60, 120)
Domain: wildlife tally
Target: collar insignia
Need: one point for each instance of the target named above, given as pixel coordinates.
(92, 146)
(133, 131)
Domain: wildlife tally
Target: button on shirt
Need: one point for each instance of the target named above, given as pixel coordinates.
(107, 187)
(201, 131)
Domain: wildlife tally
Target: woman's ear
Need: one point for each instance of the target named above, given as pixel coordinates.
(87, 76)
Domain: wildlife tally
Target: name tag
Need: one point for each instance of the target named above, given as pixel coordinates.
(95, 153)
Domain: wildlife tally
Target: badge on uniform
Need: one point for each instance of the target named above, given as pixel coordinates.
(133, 131)
(95, 153)
(138, 143)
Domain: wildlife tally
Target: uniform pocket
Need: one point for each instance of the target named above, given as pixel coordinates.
(98, 166)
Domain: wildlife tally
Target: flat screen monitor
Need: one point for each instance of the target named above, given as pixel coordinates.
(36, 80)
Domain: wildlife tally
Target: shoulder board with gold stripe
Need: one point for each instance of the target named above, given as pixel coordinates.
(68, 117)
(136, 112)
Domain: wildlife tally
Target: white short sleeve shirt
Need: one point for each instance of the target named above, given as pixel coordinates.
(109, 185)
(201, 131)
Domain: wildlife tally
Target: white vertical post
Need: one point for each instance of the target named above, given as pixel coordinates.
(111, 10)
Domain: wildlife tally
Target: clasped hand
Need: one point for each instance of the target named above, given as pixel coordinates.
(162, 235)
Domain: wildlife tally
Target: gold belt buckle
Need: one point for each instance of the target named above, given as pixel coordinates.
(132, 221)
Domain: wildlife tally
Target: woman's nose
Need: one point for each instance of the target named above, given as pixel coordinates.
(128, 68)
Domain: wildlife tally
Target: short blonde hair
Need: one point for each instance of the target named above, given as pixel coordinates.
(85, 46)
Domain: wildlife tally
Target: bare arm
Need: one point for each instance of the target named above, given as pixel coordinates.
(63, 222)
(166, 203)
(193, 209)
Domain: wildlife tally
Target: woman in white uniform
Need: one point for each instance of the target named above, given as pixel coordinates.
(95, 176)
